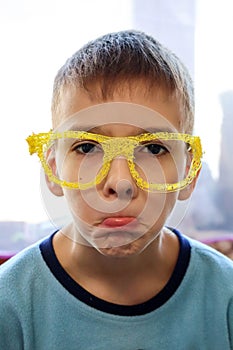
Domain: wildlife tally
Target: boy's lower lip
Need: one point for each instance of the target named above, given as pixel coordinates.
(118, 221)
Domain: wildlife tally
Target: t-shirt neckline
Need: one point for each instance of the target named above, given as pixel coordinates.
(49, 256)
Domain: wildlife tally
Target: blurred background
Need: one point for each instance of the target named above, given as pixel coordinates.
(37, 36)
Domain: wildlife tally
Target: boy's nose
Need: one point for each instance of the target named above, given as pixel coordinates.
(119, 182)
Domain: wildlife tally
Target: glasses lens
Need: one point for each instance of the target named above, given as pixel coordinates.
(78, 161)
(161, 161)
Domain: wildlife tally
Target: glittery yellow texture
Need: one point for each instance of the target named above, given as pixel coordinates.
(114, 147)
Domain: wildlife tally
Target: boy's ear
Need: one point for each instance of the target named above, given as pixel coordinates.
(53, 187)
(186, 192)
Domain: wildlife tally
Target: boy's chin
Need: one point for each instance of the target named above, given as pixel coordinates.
(124, 251)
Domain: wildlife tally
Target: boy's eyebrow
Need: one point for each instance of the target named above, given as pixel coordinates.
(80, 128)
(154, 130)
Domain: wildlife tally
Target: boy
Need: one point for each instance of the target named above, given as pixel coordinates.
(121, 154)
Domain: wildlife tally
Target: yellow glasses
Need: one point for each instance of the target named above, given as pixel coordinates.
(162, 161)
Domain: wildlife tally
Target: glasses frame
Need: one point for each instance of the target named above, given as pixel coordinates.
(113, 147)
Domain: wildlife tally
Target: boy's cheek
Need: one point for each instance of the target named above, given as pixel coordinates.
(79, 208)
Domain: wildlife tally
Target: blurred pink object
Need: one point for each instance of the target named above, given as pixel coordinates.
(223, 244)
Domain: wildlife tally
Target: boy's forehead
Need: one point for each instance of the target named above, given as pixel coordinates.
(128, 105)
(107, 117)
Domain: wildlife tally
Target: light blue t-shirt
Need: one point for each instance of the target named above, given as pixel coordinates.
(43, 308)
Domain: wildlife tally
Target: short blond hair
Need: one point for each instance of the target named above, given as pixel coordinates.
(124, 57)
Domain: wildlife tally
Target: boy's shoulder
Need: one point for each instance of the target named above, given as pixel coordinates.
(209, 260)
(20, 267)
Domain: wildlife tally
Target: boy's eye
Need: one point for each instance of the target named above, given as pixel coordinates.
(86, 147)
(155, 149)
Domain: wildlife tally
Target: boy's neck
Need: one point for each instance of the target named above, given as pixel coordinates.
(129, 280)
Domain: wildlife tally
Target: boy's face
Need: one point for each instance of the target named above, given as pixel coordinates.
(116, 216)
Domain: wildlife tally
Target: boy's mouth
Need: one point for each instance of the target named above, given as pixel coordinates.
(117, 231)
(118, 221)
